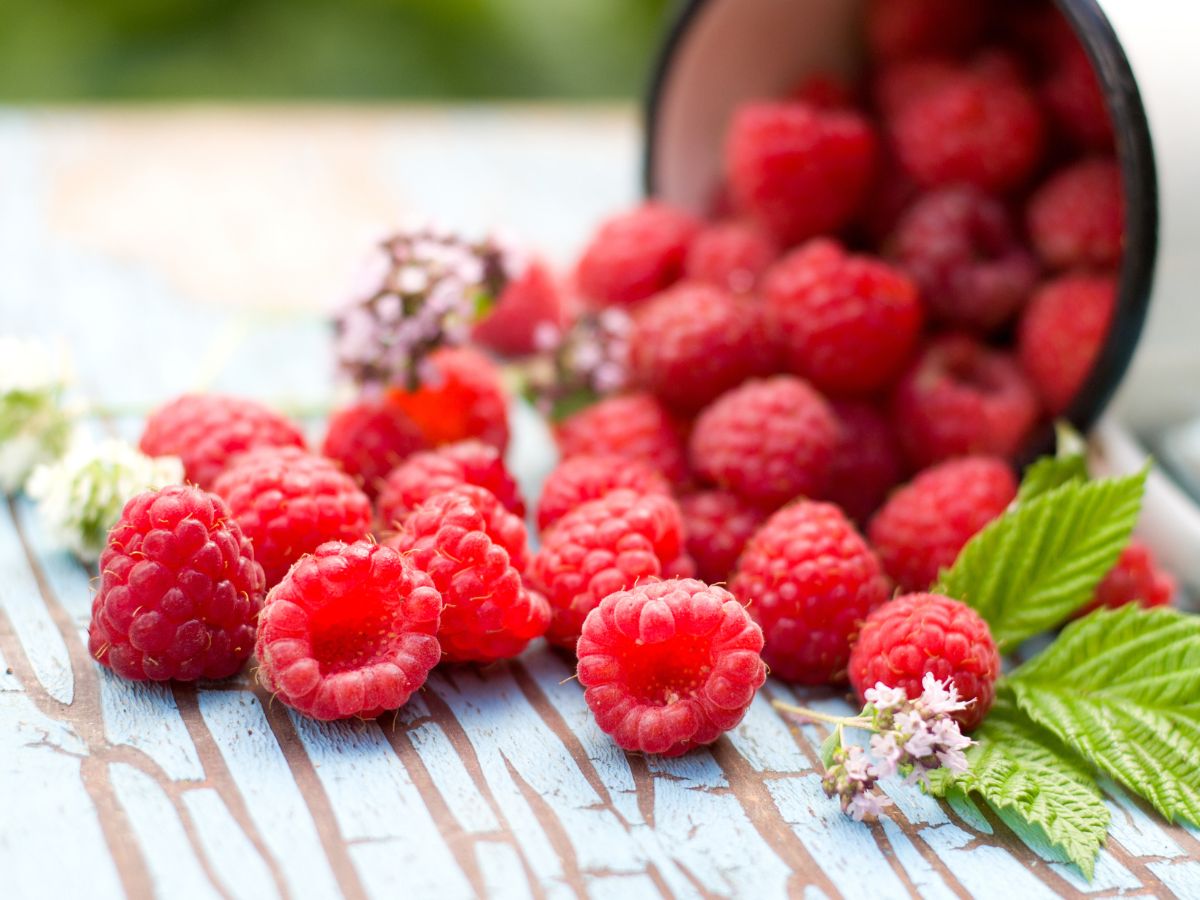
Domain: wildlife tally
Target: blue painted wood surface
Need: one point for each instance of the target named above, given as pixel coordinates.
(490, 782)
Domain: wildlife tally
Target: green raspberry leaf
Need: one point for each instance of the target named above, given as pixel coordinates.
(829, 746)
(1032, 567)
(1042, 789)
(1050, 472)
(1122, 688)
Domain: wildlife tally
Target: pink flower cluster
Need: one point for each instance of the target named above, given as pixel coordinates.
(588, 361)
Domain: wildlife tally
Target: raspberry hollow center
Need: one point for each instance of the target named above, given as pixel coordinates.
(663, 673)
(346, 638)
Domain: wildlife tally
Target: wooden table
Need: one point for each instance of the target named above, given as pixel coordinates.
(174, 249)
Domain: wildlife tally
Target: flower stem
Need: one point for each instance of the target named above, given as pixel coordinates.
(805, 712)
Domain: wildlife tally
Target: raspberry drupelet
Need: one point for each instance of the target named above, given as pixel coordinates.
(731, 255)
(847, 323)
(606, 545)
(923, 525)
(768, 441)
(179, 589)
(919, 634)
(809, 579)
(423, 475)
(369, 438)
(669, 666)
(578, 479)
(289, 502)
(1136, 578)
(868, 461)
(206, 431)
(475, 552)
(349, 632)
(1077, 217)
(632, 426)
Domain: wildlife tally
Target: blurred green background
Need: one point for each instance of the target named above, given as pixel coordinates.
(74, 50)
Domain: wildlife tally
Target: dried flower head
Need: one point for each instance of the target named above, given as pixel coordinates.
(34, 423)
(419, 290)
(81, 496)
(574, 368)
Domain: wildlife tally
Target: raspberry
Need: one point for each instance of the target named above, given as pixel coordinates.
(961, 397)
(825, 90)
(800, 170)
(809, 579)
(847, 323)
(921, 634)
(475, 551)
(369, 438)
(423, 475)
(867, 463)
(669, 666)
(767, 441)
(207, 430)
(605, 545)
(891, 194)
(924, 525)
(464, 398)
(731, 255)
(717, 524)
(693, 342)
(1061, 333)
(903, 28)
(1136, 578)
(1077, 218)
(960, 248)
(632, 426)
(531, 301)
(979, 128)
(179, 589)
(579, 479)
(636, 254)
(1072, 94)
(898, 84)
(350, 631)
(289, 502)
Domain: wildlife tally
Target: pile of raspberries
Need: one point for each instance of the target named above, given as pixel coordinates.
(827, 382)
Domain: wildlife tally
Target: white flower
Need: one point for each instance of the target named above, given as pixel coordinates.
(857, 764)
(908, 722)
(941, 697)
(949, 735)
(34, 423)
(954, 760)
(922, 743)
(887, 754)
(868, 803)
(80, 497)
(883, 697)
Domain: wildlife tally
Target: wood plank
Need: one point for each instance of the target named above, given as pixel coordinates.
(241, 871)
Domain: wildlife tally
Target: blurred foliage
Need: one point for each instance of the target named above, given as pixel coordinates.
(116, 49)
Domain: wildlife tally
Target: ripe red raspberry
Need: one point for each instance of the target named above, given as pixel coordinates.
(825, 90)
(632, 426)
(636, 254)
(980, 128)
(423, 475)
(464, 398)
(962, 397)
(924, 525)
(1136, 578)
(693, 342)
(1077, 218)
(904, 28)
(579, 479)
(717, 525)
(1061, 333)
(800, 170)
(1072, 94)
(179, 589)
(921, 634)
(289, 502)
(605, 545)
(349, 632)
(847, 323)
(767, 441)
(961, 249)
(731, 255)
(891, 194)
(475, 551)
(369, 438)
(669, 666)
(531, 301)
(898, 84)
(809, 579)
(207, 430)
(867, 463)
